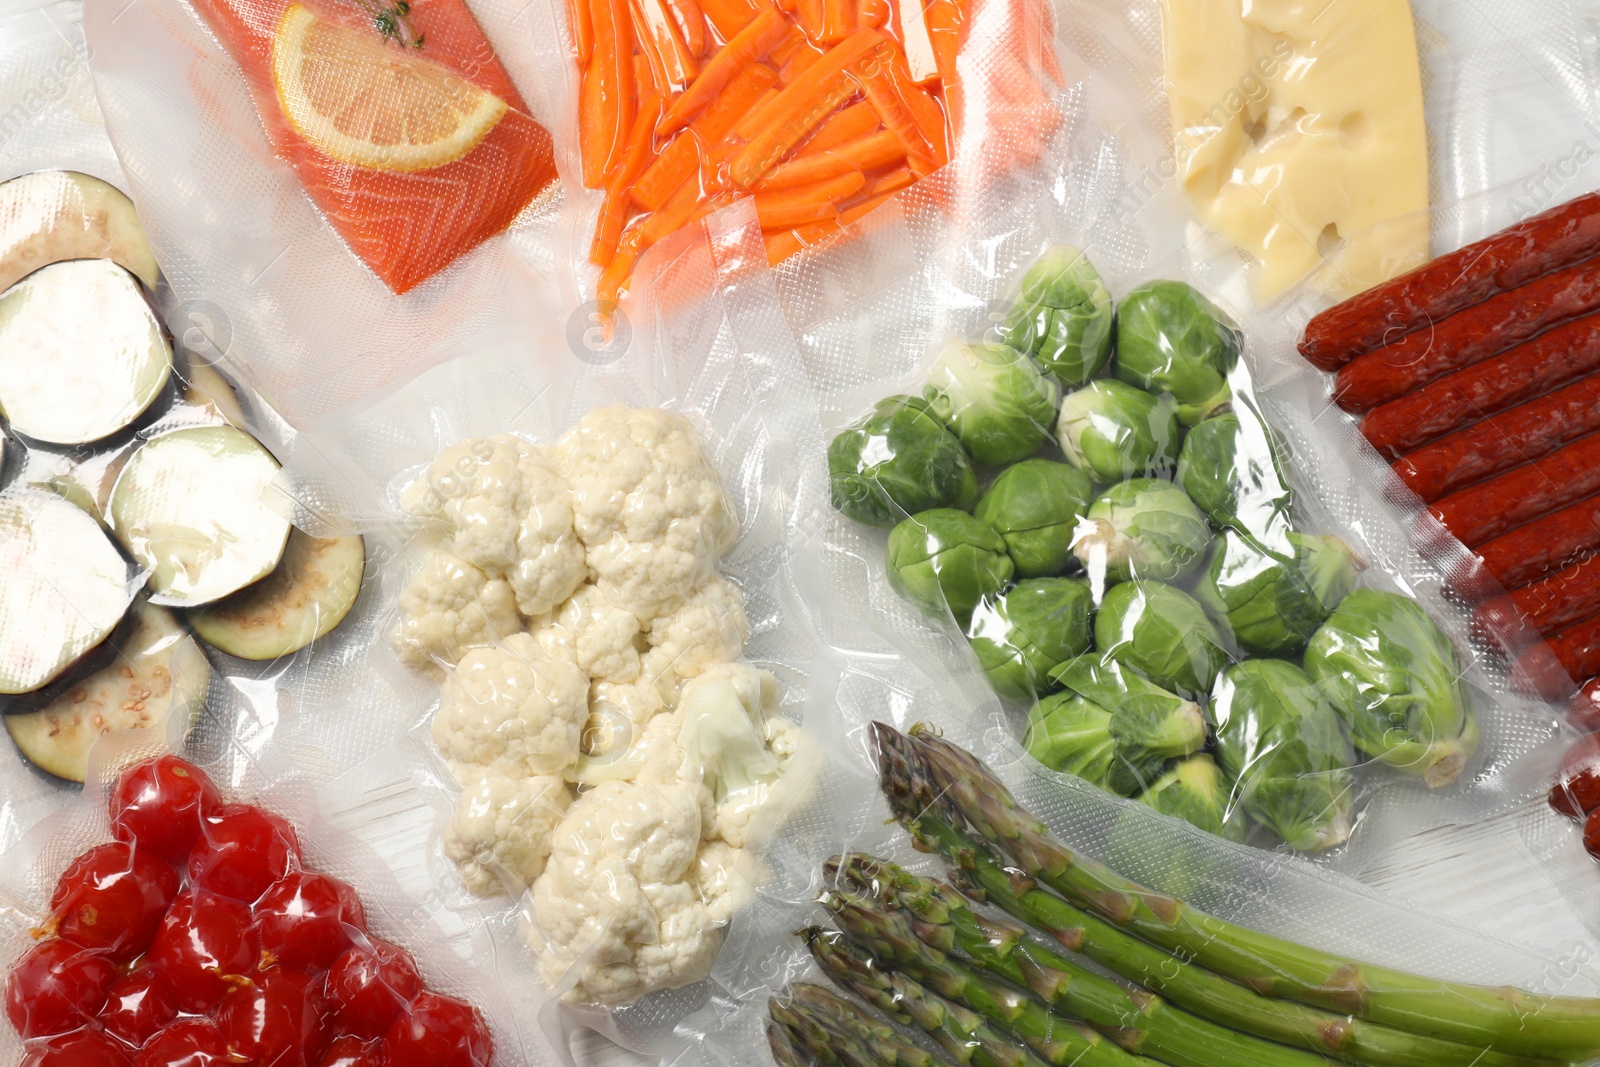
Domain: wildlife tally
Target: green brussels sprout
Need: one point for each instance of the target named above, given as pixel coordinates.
(1036, 505)
(1162, 633)
(1172, 340)
(1114, 431)
(1272, 603)
(1195, 791)
(1022, 635)
(1233, 467)
(1063, 316)
(1144, 528)
(1122, 750)
(1282, 742)
(995, 400)
(945, 558)
(898, 461)
(1395, 679)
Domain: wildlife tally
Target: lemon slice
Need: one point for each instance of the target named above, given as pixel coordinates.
(372, 104)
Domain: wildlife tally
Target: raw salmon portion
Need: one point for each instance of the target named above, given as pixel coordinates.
(406, 224)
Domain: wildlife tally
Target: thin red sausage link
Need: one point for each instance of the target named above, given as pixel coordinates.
(1487, 510)
(1502, 441)
(1530, 552)
(1448, 404)
(1557, 238)
(1577, 648)
(1467, 337)
(1550, 604)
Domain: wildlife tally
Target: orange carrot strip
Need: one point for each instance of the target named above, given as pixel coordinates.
(746, 127)
(800, 61)
(853, 122)
(749, 46)
(864, 208)
(789, 208)
(608, 293)
(608, 231)
(674, 214)
(892, 181)
(916, 38)
(686, 152)
(670, 61)
(728, 17)
(868, 153)
(802, 106)
(780, 246)
(874, 13)
(582, 30)
(691, 22)
(809, 16)
(944, 22)
(838, 19)
(897, 116)
(605, 104)
(924, 109)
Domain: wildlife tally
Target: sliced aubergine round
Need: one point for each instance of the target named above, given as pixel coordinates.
(194, 507)
(64, 587)
(57, 215)
(309, 593)
(159, 673)
(82, 354)
(208, 389)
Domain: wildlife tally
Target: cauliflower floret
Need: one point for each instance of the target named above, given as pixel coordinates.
(618, 712)
(728, 734)
(707, 629)
(500, 835)
(447, 607)
(604, 638)
(721, 877)
(513, 708)
(647, 504)
(621, 892)
(509, 514)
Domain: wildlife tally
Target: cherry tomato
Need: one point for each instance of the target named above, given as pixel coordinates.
(439, 1031)
(243, 850)
(204, 944)
(137, 1008)
(159, 804)
(57, 987)
(86, 1048)
(352, 1051)
(367, 986)
(113, 897)
(276, 1020)
(1584, 711)
(307, 919)
(187, 1043)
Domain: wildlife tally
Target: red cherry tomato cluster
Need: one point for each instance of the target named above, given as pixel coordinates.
(198, 938)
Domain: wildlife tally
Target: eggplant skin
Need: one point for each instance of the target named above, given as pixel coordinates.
(56, 215)
(304, 599)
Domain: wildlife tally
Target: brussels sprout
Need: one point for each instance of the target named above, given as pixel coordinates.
(1111, 685)
(1162, 633)
(946, 558)
(1281, 740)
(1144, 528)
(898, 461)
(1395, 680)
(995, 400)
(1233, 467)
(1272, 603)
(1172, 340)
(1195, 791)
(1122, 750)
(1063, 316)
(1024, 634)
(1115, 431)
(1036, 505)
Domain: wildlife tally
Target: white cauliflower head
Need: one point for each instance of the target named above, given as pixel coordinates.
(723, 879)
(513, 708)
(449, 606)
(500, 835)
(708, 628)
(648, 505)
(731, 739)
(618, 712)
(604, 637)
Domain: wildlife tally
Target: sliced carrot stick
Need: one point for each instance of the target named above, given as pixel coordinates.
(892, 181)
(874, 13)
(670, 62)
(686, 152)
(608, 293)
(728, 17)
(898, 118)
(605, 103)
(608, 231)
(789, 208)
(800, 62)
(838, 20)
(750, 45)
(582, 30)
(944, 22)
(746, 127)
(924, 109)
(802, 106)
(867, 153)
(809, 16)
(916, 38)
(852, 123)
(674, 214)
(781, 245)
(691, 23)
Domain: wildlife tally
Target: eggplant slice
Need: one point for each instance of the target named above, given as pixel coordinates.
(159, 672)
(208, 389)
(309, 593)
(59, 215)
(64, 587)
(193, 508)
(82, 354)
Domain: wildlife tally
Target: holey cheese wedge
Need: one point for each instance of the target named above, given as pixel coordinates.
(1298, 130)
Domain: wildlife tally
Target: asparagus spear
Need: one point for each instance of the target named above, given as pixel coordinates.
(1510, 1020)
(959, 1031)
(830, 1012)
(933, 826)
(820, 1043)
(785, 1047)
(1141, 1023)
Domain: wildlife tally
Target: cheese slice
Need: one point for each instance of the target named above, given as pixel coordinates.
(1299, 135)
